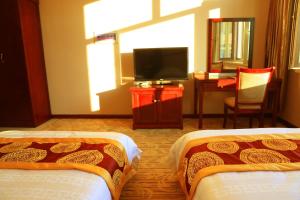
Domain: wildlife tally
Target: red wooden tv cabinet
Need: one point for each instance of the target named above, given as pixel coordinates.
(157, 106)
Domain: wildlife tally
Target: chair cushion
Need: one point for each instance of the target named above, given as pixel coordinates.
(252, 86)
(230, 101)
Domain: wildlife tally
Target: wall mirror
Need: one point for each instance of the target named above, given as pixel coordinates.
(230, 44)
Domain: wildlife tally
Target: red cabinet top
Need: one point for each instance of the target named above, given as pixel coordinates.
(158, 87)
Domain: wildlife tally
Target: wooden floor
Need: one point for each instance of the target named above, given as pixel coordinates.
(155, 179)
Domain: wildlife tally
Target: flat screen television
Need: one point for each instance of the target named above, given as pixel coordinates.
(160, 64)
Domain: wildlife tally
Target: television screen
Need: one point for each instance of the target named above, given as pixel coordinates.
(160, 63)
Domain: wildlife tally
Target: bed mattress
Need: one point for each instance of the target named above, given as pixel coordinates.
(242, 185)
(16, 184)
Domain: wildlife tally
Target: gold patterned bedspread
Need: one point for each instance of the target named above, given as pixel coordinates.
(207, 156)
(103, 157)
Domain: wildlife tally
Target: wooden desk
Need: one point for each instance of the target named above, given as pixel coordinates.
(204, 84)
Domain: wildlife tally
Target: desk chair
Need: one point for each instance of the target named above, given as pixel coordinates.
(250, 95)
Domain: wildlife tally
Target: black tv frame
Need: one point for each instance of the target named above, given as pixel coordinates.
(163, 79)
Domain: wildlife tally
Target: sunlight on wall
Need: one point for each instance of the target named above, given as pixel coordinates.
(178, 32)
(168, 7)
(103, 17)
(110, 15)
(215, 13)
(101, 70)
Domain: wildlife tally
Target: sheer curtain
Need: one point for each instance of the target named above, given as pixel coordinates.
(280, 37)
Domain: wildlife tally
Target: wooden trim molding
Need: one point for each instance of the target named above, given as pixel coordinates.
(204, 115)
(128, 116)
(286, 123)
(86, 116)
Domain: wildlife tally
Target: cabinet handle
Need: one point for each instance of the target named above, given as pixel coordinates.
(155, 100)
(2, 58)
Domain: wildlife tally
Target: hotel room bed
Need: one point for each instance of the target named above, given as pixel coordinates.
(245, 185)
(62, 184)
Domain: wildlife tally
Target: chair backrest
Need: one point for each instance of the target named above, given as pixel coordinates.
(251, 85)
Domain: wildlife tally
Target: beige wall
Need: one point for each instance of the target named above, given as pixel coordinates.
(83, 73)
(291, 111)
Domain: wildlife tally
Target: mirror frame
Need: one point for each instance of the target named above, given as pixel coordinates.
(210, 39)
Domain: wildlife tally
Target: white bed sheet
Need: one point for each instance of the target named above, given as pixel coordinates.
(59, 184)
(242, 185)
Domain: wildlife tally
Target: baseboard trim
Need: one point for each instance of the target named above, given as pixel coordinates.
(101, 116)
(204, 115)
(218, 115)
(286, 123)
(189, 116)
(92, 116)
(127, 116)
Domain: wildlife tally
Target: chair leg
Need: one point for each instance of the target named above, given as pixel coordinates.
(225, 116)
(250, 121)
(261, 120)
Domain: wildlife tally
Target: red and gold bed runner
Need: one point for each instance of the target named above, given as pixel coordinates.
(207, 156)
(103, 157)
